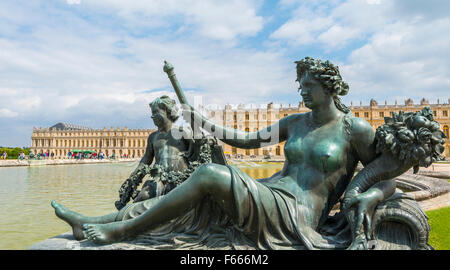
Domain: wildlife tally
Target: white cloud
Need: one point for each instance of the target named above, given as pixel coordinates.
(104, 66)
(337, 36)
(403, 60)
(333, 27)
(302, 31)
(84, 72)
(428, 10)
(373, 2)
(73, 2)
(7, 113)
(219, 20)
(404, 47)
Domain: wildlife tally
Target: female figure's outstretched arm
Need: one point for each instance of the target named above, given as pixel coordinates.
(270, 135)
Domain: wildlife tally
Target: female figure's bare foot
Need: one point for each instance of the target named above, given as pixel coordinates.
(105, 233)
(74, 219)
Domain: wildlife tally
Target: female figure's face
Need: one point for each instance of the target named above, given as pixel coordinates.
(313, 93)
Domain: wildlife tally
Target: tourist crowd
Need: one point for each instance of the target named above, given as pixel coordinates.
(21, 156)
(70, 155)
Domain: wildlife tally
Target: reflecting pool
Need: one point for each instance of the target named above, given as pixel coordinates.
(92, 189)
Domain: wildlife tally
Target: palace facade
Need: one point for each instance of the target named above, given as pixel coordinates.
(62, 138)
(252, 119)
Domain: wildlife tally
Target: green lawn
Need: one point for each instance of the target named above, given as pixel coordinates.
(440, 228)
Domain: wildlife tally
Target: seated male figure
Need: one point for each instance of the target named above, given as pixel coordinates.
(169, 147)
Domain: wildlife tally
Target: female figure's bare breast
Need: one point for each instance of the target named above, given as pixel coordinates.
(316, 158)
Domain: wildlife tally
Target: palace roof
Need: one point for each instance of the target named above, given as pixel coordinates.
(66, 126)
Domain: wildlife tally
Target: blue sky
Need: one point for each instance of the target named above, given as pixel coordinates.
(99, 62)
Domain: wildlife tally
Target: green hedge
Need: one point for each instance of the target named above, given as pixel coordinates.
(13, 153)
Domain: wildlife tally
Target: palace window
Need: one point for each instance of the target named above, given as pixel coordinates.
(381, 114)
(356, 114)
(247, 116)
(445, 113)
(434, 113)
(446, 131)
(366, 114)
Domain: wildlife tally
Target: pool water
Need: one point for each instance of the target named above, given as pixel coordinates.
(91, 189)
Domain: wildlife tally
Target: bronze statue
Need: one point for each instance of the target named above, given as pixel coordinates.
(220, 206)
(170, 155)
(175, 152)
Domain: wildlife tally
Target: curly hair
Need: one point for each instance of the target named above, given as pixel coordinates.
(328, 75)
(167, 104)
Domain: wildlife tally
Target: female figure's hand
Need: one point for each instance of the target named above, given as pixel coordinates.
(360, 209)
